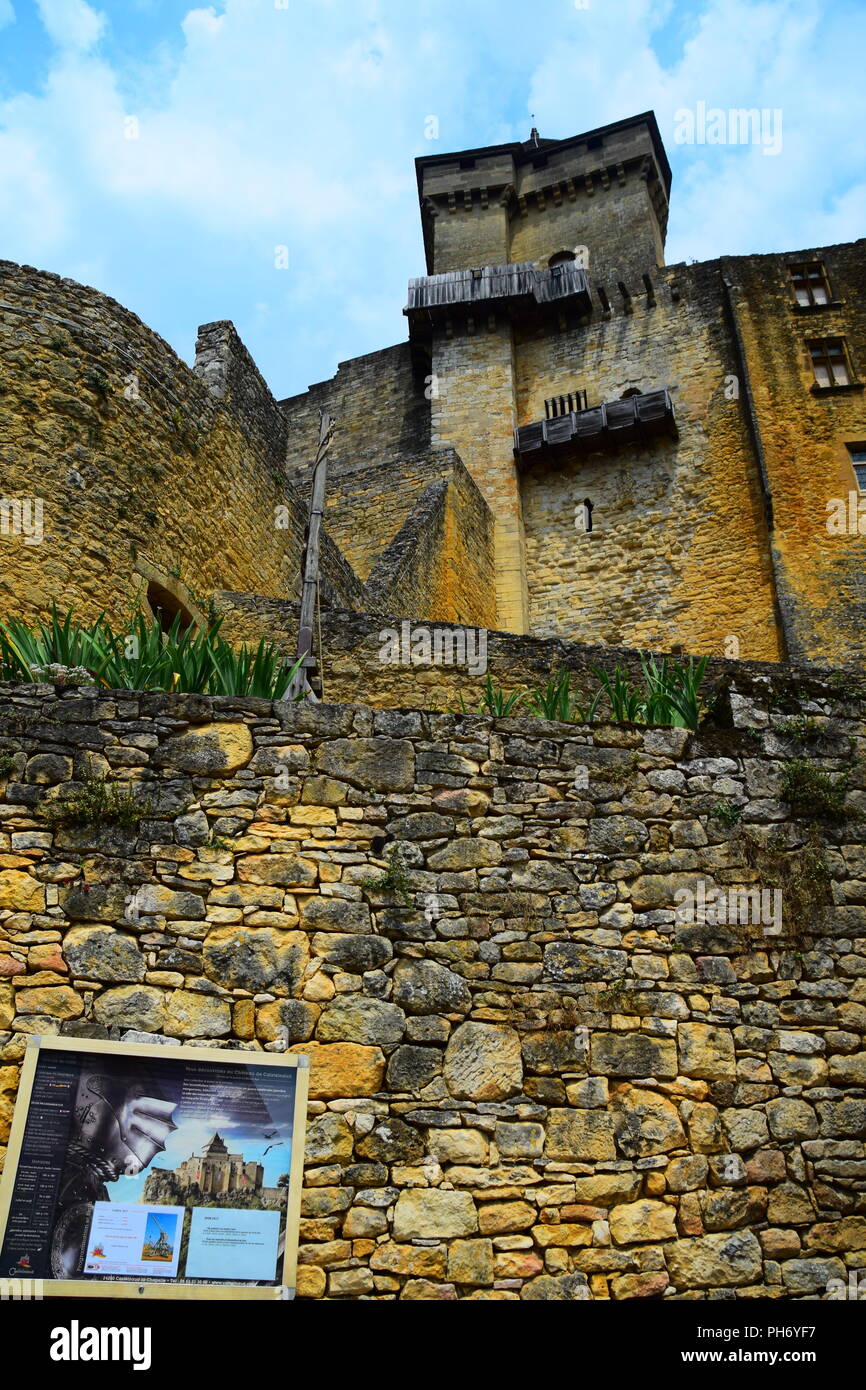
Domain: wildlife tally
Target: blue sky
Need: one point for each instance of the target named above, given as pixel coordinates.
(259, 124)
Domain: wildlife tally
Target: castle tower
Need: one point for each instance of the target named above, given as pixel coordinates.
(520, 239)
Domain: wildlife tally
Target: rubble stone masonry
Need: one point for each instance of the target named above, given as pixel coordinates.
(143, 466)
(529, 1079)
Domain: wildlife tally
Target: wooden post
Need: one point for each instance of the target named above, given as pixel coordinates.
(305, 681)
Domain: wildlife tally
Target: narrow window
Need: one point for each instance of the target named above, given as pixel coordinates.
(569, 404)
(857, 454)
(830, 362)
(810, 284)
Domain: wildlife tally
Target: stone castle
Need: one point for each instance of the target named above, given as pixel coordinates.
(213, 1173)
(576, 442)
(215, 1170)
(545, 1063)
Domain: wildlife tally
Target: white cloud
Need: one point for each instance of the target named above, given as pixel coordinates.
(787, 55)
(7, 13)
(203, 24)
(71, 23)
(259, 127)
(32, 193)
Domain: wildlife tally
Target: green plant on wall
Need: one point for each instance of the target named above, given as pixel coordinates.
(670, 694)
(185, 432)
(616, 998)
(393, 880)
(802, 874)
(555, 700)
(495, 701)
(813, 795)
(97, 382)
(798, 727)
(98, 802)
(140, 656)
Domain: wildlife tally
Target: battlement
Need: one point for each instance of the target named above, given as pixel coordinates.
(605, 190)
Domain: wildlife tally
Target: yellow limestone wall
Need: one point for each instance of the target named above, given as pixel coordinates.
(154, 466)
(677, 524)
(474, 413)
(804, 435)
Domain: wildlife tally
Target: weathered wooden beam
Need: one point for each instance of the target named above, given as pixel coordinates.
(304, 683)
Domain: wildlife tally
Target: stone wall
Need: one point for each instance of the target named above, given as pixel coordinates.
(353, 667)
(614, 218)
(133, 456)
(473, 413)
(440, 564)
(804, 433)
(377, 464)
(676, 523)
(529, 1081)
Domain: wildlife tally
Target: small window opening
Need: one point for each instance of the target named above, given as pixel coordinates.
(467, 164)
(166, 607)
(561, 258)
(568, 404)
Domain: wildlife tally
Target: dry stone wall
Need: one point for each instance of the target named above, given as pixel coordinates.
(529, 1080)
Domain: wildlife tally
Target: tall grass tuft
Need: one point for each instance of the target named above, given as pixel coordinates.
(142, 657)
(670, 693)
(555, 700)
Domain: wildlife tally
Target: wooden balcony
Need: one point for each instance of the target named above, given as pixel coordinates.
(605, 426)
(433, 297)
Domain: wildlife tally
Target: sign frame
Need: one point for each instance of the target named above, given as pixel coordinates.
(38, 1044)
